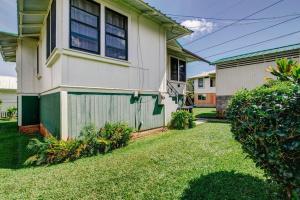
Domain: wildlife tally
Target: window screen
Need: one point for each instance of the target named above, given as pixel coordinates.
(116, 35)
(174, 69)
(182, 71)
(85, 26)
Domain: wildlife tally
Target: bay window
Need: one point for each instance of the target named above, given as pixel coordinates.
(116, 35)
(85, 26)
(178, 70)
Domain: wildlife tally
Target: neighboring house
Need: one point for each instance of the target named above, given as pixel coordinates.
(205, 89)
(82, 62)
(248, 71)
(8, 93)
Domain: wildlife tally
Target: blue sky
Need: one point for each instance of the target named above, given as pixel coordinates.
(202, 11)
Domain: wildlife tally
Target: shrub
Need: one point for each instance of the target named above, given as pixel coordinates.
(52, 151)
(118, 134)
(11, 112)
(266, 121)
(182, 120)
(91, 142)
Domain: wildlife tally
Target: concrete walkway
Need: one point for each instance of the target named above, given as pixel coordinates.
(204, 120)
(200, 121)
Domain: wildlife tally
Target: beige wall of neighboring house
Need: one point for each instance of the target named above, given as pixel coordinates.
(230, 80)
(8, 92)
(247, 72)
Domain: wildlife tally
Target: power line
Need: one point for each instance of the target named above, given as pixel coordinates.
(233, 19)
(229, 7)
(243, 47)
(263, 9)
(263, 29)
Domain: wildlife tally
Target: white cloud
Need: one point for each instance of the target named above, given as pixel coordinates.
(199, 26)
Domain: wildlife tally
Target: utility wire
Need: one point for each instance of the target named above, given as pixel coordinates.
(224, 27)
(263, 29)
(275, 38)
(233, 19)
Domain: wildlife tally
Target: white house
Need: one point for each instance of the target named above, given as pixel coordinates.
(204, 89)
(8, 93)
(84, 61)
(248, 71)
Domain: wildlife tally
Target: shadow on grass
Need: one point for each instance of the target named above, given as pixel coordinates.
(13, 151)
(229, 185)
(212, 115)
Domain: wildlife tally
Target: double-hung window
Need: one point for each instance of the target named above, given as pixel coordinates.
(201, 83)
(51, 29)
(178, 70)
(85, 26)
(116, 35)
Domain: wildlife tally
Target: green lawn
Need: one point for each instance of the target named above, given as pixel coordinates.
(205, 112)
(200, 163)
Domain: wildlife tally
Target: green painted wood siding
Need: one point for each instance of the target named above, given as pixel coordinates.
(84, 109)
(30, 110)
(50, 113)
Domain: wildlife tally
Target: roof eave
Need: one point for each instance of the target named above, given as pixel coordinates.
(196, 56)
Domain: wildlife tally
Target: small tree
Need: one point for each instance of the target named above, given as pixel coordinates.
(11, 112)
(286, 70)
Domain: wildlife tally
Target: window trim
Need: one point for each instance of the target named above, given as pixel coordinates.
(98, 28)
(38, 60)
(126, 33)
(49, 42)
(178, 74)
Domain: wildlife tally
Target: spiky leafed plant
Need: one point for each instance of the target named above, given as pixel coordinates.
(286, 70)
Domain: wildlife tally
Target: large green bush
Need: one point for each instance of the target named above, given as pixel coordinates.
(266, 121)
(182, 120)
(91, 142)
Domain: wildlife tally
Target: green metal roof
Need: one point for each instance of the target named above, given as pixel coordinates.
(259, 53)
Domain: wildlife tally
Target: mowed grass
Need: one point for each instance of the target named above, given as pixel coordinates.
(200, 163)
(205, 112)
(13, 151)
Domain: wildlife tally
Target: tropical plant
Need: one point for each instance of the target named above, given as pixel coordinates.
(266, 121)
(12, 112)
(118, 134)
(52, 151)
(91, 142)
(182, 120)
(286, 70)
